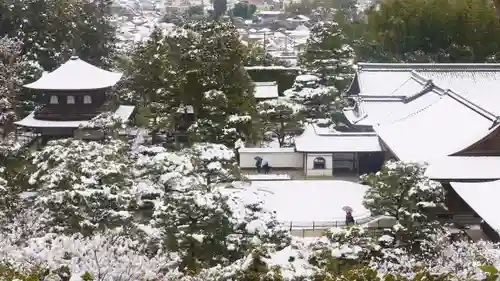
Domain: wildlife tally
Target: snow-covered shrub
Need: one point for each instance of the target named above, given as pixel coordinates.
(84, 185)
(177, 202)
(105, 256)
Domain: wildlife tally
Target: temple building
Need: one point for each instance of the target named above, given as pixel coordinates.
(70, 97)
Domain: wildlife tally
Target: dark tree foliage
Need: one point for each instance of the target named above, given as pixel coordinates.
(431, 31)
(220, 8)
(52, 30)
(243, 10)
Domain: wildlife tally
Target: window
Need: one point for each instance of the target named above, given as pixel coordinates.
(319, 163)
(87, 99)
(54, 100)
(70, 100)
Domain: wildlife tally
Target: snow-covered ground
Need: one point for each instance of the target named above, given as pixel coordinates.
(303, 204)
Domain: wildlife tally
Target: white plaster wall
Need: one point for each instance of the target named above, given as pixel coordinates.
(310, 172)
(277, 159)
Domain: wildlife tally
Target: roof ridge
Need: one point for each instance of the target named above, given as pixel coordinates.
(435, 66)
(401, 86)
(348, 134)
(456, 96)
(473, 106)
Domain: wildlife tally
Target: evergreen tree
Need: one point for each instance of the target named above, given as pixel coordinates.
(11, 71)
(217, 84)
(220, 7)
(317, 103)
(432, 31)
(51, 30)
(401, 190)
(328, 55)
(280, 119)
(153, 80)
(243, 10)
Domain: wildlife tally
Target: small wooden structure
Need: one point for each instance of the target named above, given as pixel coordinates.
(70, 97)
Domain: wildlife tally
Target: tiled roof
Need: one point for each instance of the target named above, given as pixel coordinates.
(461, 168)
(474, 82)
(437, 130)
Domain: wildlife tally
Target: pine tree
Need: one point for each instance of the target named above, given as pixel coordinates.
(153, 80)
(401, 190)
(215, 66)
(281, 120)
(11, 70)
(317, 103)
(220, 7)
(328, 55)
(199, 66)
(51, 30)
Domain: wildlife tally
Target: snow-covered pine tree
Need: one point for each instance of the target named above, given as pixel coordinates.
(161, 198)
(280, 119)
(96, 31)
(215, 65)
(11, 69)
(316, 102)
(215, 162)
(153, 80)
(328, 55)
(198, 66)
(83, 186)
(199, 216)
(51, 30)
(401, 190)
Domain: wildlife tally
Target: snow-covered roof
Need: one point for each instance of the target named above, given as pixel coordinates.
(268, 177)
(76, 74)
(299, 18)
(267, 150)
(269, 13)
(266, 90)
(472, 81)
(442, 128)
(465, 168)
(313, 141)
(273, 67)
(304, 202)
(306, 78)
(371, 111)
(123, 112)
(482, 197)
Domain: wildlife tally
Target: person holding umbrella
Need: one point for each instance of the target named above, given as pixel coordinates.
(258, 163)
(262, 164)
(349, 219)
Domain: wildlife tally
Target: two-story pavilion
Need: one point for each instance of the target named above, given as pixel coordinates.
(70, 97)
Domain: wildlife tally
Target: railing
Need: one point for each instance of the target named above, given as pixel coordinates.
(323, 225)
(321, 230)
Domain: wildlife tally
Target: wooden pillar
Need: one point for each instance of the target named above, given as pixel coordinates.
(356, 156)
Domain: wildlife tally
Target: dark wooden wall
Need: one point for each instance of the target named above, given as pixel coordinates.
(454, 202)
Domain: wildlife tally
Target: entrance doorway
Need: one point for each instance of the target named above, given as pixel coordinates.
(344, 164)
